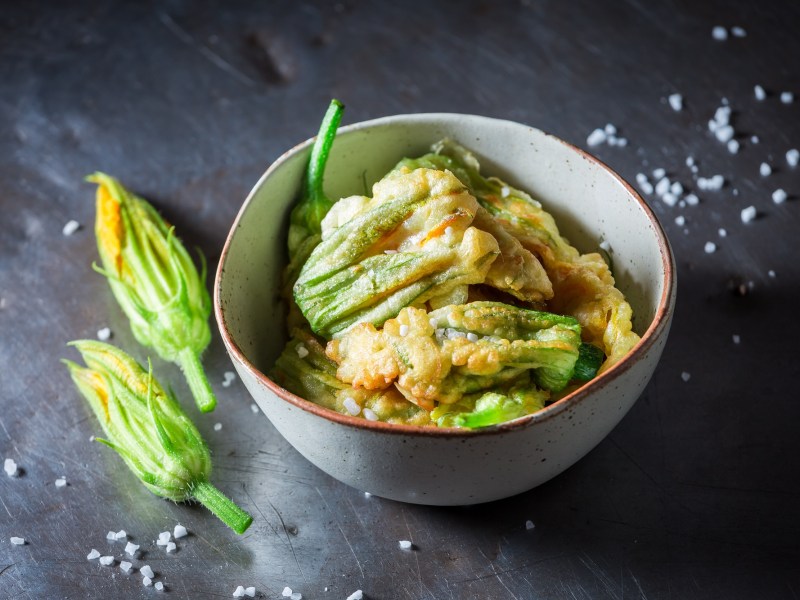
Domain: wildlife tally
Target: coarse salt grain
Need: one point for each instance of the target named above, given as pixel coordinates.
(662, 187)
(736, 339)
(250, 591)
(71, 227)
(722, 232)
(104, 334)
(505, 191)
(675, 101)
(121, 535)
(760, 93)
(10, 467)
(685, 376)
(17, 541)
(765, 170)
(713, 183)
(691, 200)
(147, 571)
(254, 408)
(147, 581)
(748, 214)
(605, 245)
(787, 97)
(171, 547)
(733, 146)
(680, 220)
(690, 161)
(710, 247)
(163, 537)
(771, 273)
(296, 596)
(610, 129)
(754, 139)
(793, 157)
(125, 565)
(179, 531)
(159, 586)
(217, 427)
(724, 133)
(647, 187)
(529, 525)
(93, 554)
(405, 544)
(738, 32)
(641, 178)
(390, 251)
(669, 199)
(238, 592)
(370, 415)
(676, 188)
(228, 378)
(106, 561)
(659, 173)
(448, 231)
(351, 406)
(287, 591)
(302, 351)
(131, 548)
(779, 196)
(111, 535)
(719, 33)
(357, 595)
(597, 137)
(472, 337)
(403, 330)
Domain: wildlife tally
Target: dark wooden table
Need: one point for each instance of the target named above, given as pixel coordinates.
(694, 495)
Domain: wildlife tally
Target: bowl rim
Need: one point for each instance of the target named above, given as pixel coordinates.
(660, 322)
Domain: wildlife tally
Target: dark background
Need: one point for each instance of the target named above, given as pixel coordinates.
(694, 495)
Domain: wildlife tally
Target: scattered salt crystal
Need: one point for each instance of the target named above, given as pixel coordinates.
(296, 596)
(760, 93)
(691, 200)
(647, 187)
(505, 191)
(370, 415)
(121, 535)
(171, 547)
(239, 592)
(685, 376)
(147, 571)
(163, 537)
(302, 351)
(529, 525)
(641, 178)
(448, 231)
(765, 169)
(351, 406)
(723, 114)
(125, 566)
(147, 581)
(754, 139)
(605, 245)
(738, 32)
(111, 535)
(131, 548)
(659, 173)
(104, 334)
(405, 544)
(733, 146)
(357, 595)
(250, 591)
(622, 142)
(748, 214)
(694, 169)
(159, 586)
(676, 102)
(736, 339)
(735, 191)
(217, 427)
(771, 273)
(610, 129)
(793, 157)
(106, 561)
(287, 591)
(403, 330)
(597, 137)
(71, 227)
(662, 187)
(228, 377)
(724, 133)
(711, 183)
(367, 495)
(669, 199)
(254, 408)
(787, 97)
(179, 531)
(17, 541)
(10, 467)
(680, 220)
(779, 196)
(472, 337)
(722, 232)
(710, 247)
(93, 554)
(719, 33)
(676, 188)
(690, 161)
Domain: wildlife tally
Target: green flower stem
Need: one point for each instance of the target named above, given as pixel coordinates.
(189, 361)
(222, 506)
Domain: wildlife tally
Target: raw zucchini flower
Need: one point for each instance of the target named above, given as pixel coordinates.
(155, 282)
(149, 430)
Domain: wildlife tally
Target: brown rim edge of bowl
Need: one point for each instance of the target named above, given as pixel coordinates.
(660, 319)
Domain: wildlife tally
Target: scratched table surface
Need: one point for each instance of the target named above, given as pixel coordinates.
(694, 495)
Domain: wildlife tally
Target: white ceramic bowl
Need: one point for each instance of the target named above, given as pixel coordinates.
(447, 466)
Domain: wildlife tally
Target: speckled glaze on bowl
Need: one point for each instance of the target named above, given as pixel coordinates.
(447, 466)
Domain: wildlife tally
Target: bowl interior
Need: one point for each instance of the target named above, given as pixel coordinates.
(589, 202)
